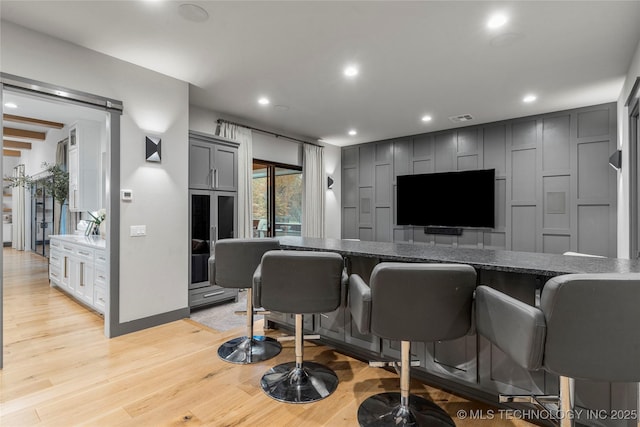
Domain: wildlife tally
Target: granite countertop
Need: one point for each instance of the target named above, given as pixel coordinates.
(485, 259)
(95, 242)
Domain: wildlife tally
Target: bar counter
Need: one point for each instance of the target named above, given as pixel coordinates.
(470, 366)
(549, 265)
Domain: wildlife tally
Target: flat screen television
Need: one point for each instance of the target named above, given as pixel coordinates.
(448, 199)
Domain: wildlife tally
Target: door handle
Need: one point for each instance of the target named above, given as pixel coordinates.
(212, 237)
(215, 178)
(211, 184)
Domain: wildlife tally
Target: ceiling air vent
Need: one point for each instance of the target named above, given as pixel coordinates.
(461, 118)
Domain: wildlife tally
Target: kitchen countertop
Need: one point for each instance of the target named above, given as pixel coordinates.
(484, 259)
(95, 242)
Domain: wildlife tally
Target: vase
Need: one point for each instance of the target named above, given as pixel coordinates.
(89, 230)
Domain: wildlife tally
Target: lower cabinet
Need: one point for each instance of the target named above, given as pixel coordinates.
(78, 265)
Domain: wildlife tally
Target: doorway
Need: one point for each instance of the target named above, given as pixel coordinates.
(28, 99)
(634, 153)
(277, 199)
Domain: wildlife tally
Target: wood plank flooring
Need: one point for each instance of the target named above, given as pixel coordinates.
(60, 370)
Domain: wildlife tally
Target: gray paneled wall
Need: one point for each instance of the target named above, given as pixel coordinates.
(555, 190)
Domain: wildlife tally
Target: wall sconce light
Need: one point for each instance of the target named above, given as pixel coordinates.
(329, 182)
(616, 159)
(152, 148)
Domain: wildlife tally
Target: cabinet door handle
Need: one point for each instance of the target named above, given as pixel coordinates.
(75, 199)
(65, 267)
(53, 274)
(215, 178)
(82, 274)
(213, 294)
(84, 253)
(54, 258)
(210, 178)
(100, 276)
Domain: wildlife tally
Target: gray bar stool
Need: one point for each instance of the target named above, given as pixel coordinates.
(586, 328)
(300, 282)
(411, 302)
(232, 266)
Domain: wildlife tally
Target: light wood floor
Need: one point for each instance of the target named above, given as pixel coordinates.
(60, 370)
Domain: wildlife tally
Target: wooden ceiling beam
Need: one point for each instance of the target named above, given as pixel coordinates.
(11, 153)
(17, 144)
(32, 121)
(23, 133)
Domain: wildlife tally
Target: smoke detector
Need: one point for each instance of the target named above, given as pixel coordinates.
(461, 118)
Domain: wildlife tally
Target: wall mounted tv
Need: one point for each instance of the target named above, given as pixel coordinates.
(448, 199)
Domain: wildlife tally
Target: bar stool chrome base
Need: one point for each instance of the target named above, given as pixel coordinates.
(244, 351)
(290, 383)
(385, 409)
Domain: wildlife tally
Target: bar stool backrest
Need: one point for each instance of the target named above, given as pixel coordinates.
(237, 259)
(421, 302)
(300, 282)
(593, 326)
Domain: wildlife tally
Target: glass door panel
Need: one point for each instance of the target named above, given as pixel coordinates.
(288, 202)
(261, 200)
(226, 216)
(200, 236)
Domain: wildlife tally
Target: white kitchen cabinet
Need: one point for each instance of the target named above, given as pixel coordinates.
(85, 141)
(78, 265)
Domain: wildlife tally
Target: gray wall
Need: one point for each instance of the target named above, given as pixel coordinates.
(555, 190)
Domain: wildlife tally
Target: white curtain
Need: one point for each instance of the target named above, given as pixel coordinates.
(313, 193)
(18, 198)
(242, 135)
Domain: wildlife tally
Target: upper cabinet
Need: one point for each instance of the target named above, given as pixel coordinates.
(213, 163)
(84, 166)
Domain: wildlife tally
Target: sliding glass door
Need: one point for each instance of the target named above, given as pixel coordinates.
(277, 199)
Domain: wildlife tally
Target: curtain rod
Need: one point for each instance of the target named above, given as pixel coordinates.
(277, 135)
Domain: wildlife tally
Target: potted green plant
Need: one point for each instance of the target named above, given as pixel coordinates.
(56, 182)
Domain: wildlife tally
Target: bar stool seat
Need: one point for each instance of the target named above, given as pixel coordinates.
(300, 282)
(411, 302)
(232, 266)
(585, 328)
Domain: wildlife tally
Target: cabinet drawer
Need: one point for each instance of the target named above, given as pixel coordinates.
(54, 243)
(100, 276)
(85, 254)
(67, 248)
(210, 294)
(55, 275)
(99, 297)
(56, 259)
(101, 259)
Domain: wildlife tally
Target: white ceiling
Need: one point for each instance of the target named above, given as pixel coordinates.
(415, 58)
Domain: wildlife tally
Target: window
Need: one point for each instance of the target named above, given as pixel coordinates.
(277, 199)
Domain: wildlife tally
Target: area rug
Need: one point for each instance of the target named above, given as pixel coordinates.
(221, 317)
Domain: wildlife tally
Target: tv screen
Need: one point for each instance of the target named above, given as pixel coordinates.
(449, 199)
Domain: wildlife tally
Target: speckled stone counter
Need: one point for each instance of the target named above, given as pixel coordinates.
(483, 259)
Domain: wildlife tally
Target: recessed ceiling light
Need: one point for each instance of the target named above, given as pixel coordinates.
(193, 12)
(353, 132)
(263, 101)
(497, 21)
(351, 71)
(10, 105)
(426, 118)
(529, 98)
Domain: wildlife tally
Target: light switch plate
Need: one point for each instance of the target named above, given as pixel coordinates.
(126, 195)
(138, 230)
